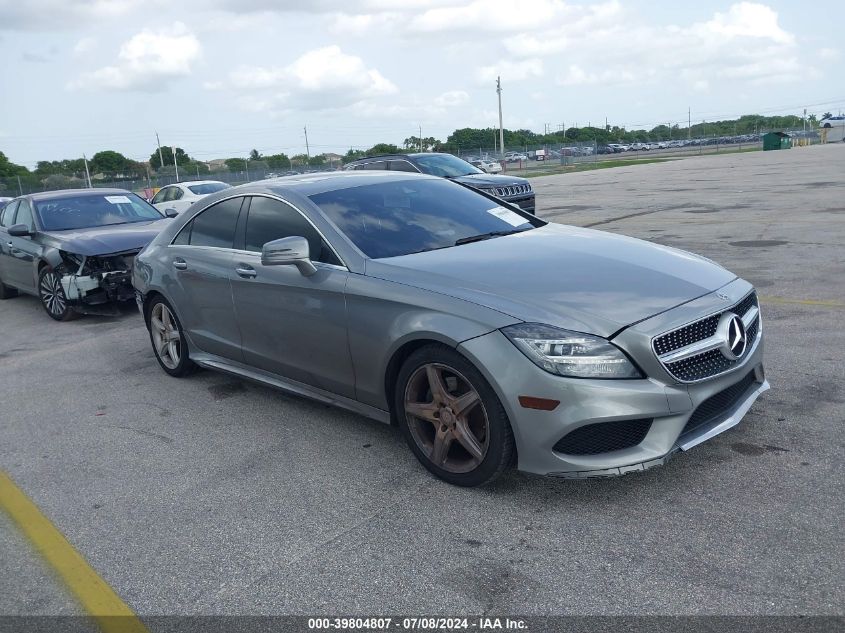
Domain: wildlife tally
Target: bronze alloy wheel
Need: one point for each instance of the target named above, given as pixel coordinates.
(446, 418)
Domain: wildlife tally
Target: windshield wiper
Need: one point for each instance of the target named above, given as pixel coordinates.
(486, 236)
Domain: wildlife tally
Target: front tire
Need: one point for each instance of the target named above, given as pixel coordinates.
(52, 296)
(452, 418)
(168, 339)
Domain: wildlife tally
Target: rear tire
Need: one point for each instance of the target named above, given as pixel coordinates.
(452, 418)
(168, 339)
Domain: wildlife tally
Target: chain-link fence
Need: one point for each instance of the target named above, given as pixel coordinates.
(514, 159)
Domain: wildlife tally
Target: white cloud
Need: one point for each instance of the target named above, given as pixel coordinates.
(511, 71)
(147, 61)
(63, 14)
(85, 45)
(830, 54)
(323, 78)
(451, 99)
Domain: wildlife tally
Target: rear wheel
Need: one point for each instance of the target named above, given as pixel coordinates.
(451, 417)
(52, 296)
(168, 339)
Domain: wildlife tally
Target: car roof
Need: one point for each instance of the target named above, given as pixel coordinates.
(321, 182)
(75, 193)
(188, 183)
(400, 156)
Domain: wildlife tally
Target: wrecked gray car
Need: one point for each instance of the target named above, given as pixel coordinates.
(74, 249)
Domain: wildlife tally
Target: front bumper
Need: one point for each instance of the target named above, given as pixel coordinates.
(526, 203)
(668, 404)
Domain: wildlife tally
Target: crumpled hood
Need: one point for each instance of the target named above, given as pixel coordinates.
(578, 279)
(105, 240)
(491, 180)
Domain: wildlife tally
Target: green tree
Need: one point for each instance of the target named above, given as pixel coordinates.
(827, 115)
(254, 155)
(8, 168)
(235, 164)
(278, 161)
(353, 154)
(384, 148)
(109, 162)
(317, 161)
(167, 154)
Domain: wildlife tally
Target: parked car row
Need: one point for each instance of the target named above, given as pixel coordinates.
(487, 335)
(512, 189)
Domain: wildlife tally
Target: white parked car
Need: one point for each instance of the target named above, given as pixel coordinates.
(515, 157)
(832, 121)
(488, 166)
(183, 194)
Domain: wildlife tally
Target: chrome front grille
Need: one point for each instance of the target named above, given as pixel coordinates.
(513, 190)
(693, 352)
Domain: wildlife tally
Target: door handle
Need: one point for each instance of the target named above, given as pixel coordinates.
(245, 271)
(180, 264)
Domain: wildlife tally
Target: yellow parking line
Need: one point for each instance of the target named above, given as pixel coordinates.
(97, 598)
(804, 302)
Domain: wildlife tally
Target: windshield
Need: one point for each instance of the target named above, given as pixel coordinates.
(82, 212)
(410, 216)
(207, 188)
(445, 166)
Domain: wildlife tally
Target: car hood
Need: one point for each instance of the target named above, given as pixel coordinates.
(490, 180)
(578, 279)
(105, 240)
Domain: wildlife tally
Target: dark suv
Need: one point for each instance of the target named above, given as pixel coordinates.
(512, 189)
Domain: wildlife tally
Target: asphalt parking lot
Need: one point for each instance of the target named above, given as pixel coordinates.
(209, 495)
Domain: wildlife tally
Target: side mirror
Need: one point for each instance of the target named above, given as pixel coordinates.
(19, 230)
(288, 250)
(170, 213)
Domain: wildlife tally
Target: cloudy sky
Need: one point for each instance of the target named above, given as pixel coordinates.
(219, 77)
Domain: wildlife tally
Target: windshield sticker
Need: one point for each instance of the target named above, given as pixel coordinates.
(118, 199)
(514, 219)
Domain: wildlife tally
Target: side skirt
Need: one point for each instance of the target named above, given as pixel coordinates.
(211, 361)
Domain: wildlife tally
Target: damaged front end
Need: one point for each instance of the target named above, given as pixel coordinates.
(95, 284)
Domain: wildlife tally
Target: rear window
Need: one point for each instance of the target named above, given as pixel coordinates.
(207, 188)
(411, 216)
(82, 212)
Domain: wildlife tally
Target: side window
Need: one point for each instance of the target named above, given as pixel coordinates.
(161, 195)
(171, 194)
(24, 215)
(8, 214)
(271, 219)
(379, 164)
(216, 225)
(183, 237)
(177, 194)
(402, 165)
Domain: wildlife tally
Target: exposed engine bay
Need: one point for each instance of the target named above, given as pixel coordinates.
(91, 283)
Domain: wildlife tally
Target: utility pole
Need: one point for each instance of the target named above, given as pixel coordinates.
(160, 157)
(421, 149)
(87, 173)
(805, 120)
(689, 123)
(20, 187)
(246, 168)
(307, 150)
(501, 127)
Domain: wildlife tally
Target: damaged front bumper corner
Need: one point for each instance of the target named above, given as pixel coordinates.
(99, 284)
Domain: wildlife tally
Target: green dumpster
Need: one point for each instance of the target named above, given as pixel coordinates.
(776, 140)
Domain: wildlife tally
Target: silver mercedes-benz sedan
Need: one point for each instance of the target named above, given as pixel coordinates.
(489, 336)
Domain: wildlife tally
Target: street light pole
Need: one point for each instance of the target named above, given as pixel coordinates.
(87, 173)
(501, 127)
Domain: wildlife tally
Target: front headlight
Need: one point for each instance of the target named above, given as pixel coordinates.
(570, 354)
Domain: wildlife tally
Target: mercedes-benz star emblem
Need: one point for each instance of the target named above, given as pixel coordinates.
(736, 340)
